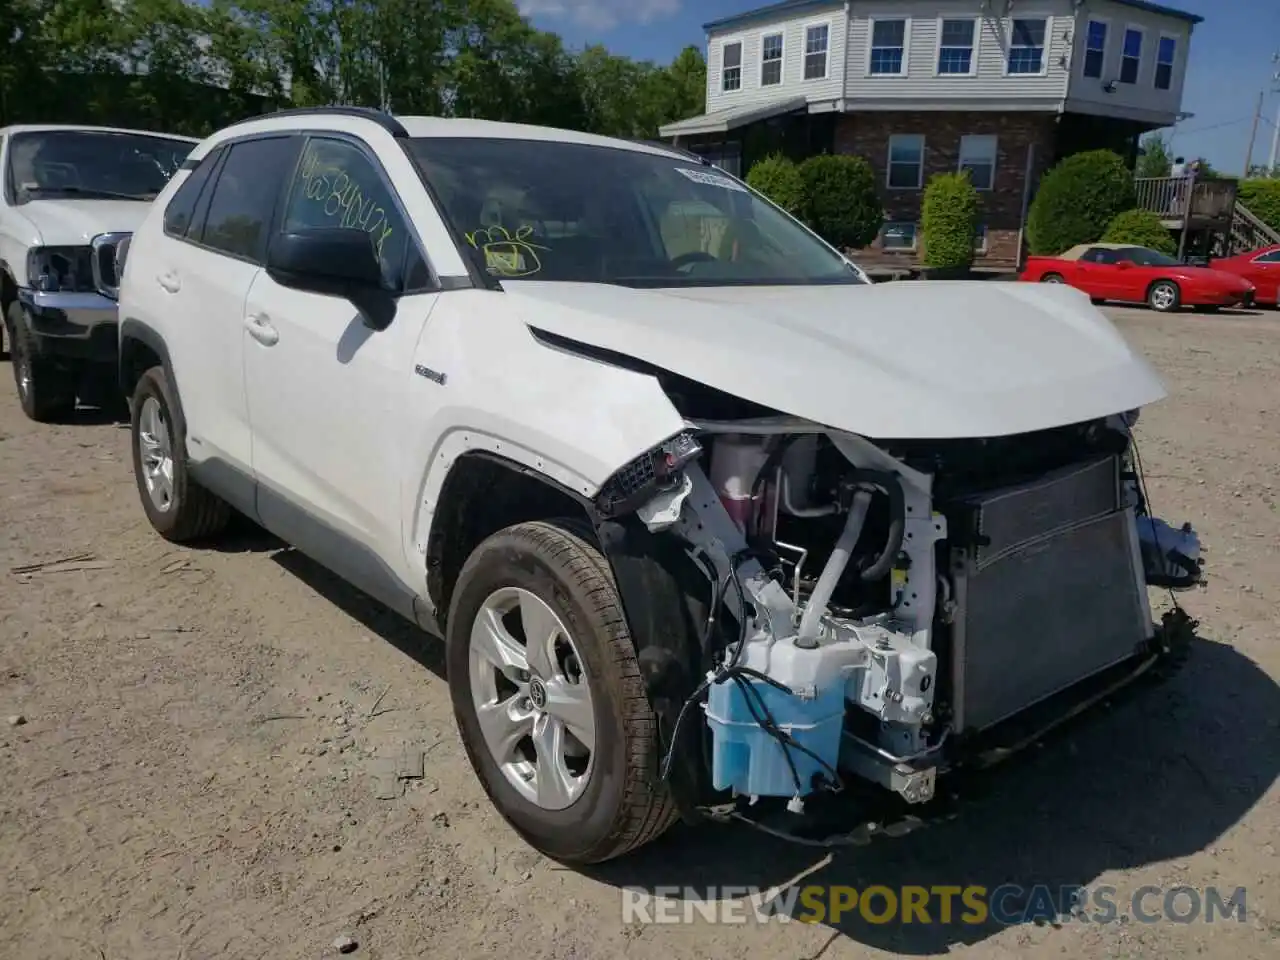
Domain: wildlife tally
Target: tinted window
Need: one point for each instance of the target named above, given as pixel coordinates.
(1272, 257)
(337, 185)
(178, 214)
(244, 197)
(69, 163)
(1100, 255)
(1144, 257)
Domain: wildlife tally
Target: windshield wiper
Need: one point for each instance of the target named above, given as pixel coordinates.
(93, 192)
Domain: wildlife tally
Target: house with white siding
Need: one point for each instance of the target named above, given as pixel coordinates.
(1002, 88)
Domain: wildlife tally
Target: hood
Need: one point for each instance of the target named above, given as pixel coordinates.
(903, 360)
(65, 223)
(1211, 273)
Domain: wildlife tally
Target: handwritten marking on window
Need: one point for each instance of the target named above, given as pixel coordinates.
(711, 179)
(507, 254)
(344, 199)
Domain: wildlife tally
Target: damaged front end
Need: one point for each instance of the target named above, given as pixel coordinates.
(814, 610)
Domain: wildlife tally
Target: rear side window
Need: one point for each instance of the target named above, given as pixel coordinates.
(244, 197)
(179, 213)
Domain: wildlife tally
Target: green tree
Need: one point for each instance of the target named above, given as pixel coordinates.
(1076, 200)
(949, 221)
(842, 199)
(1140, 228)
(1262, 197)
(778, 178)
(1156, 159)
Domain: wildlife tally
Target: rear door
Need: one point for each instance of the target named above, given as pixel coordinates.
(1097, 274)
(213, 248)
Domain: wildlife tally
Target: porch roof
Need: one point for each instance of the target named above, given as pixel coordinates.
(722, 121)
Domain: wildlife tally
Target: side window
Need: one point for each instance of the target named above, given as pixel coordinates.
(180, 212)
(244, 197)
(337, 185)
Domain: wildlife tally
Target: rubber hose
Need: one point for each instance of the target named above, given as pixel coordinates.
(816, 606)
(891, 485)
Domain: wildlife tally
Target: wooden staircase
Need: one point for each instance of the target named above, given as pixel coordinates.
(1247, 232)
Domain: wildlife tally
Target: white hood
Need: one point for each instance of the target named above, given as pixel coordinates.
(66, 223)
(905, 360)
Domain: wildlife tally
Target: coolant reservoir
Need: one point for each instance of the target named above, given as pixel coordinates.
(736, 462)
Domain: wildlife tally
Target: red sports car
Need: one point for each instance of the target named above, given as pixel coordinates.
(1260, 267)
(1116, 271)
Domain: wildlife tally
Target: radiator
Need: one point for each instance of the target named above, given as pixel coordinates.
(1050, 596)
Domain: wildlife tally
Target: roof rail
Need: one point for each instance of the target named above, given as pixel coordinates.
(383, 119)
(672, 148)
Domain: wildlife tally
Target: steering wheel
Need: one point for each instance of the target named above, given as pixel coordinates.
(693, 256)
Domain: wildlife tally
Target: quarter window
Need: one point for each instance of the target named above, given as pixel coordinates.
(771, 60)
(906, 161)
(888, 42)
(955, 50)
(180, 213)
(1026, 45)
(337, 185)
(1095, 49)
(1272, 257)
(1166, 52)
(244, 198)
(978, 156)
(731, 74)
(815, 51)
(1131, 59)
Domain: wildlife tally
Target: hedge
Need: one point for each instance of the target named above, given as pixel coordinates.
(1140, 228)
(949, 219)
(1076, 201)
(779, 179)
(842, 199)
(1262, 197)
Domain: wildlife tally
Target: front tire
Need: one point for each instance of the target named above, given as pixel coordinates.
(1164, 296)
(179, 508)
(46, 391)
(549, 699)
(1052, 278)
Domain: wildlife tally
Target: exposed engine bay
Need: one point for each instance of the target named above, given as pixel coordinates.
(874, 603)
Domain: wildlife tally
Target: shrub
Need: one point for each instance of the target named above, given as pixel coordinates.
(1140, 228)
(841, 199)
(779, 179)
(949, 219)
(1076, 201)
(1262, 197)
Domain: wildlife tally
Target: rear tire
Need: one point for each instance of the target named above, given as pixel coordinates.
(1164, 296)
(1052, 278)
(46, 391)
(179, 508)
(541, 580)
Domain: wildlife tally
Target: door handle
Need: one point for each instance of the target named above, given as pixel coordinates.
(260, 329)
(169, 281)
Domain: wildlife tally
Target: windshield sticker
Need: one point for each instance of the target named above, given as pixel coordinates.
(507, 254)
(711, 179)
(342, 199)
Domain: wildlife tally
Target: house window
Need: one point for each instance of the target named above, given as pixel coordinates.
(771, 60)
(1026, 45)
(815, 51)
(1131, 58)
(1095, 49)
(906, 161)
(980, 239)
(888, 41)
(955, 50)
(1165, 52)
(978, 156)
(731, 72)
(898, 235)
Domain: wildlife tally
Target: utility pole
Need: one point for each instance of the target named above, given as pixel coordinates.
(1253, 133)
(1275, 130)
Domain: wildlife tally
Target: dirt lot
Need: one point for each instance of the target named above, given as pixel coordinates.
(198, 769)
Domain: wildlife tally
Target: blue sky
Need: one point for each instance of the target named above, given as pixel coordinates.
(1230, 58)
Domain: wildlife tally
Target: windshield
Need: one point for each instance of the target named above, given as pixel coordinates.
(94, 163)
(547, 210)
(1148, 258)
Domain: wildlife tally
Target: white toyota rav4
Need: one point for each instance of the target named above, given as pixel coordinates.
(712, 528)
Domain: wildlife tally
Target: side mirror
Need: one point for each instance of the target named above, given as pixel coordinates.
(332, 261)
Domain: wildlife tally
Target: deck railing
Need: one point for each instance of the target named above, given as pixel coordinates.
(1169, 197)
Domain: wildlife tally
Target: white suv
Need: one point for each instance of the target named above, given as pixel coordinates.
(704, 519)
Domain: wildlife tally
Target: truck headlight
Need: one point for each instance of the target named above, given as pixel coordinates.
(60, 268)
(648, 475)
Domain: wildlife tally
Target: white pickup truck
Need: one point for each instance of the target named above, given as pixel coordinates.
(69, 195)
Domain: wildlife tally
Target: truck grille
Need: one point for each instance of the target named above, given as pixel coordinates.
(1051, 597)
(106, 279)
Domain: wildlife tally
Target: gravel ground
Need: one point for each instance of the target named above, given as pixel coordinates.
(207, 767)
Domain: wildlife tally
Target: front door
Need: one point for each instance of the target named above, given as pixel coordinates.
(327, 393)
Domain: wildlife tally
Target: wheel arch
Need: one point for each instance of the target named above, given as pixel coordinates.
(141, 348)
(1176, 283)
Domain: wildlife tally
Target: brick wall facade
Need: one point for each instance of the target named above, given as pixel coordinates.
(1000, 210)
